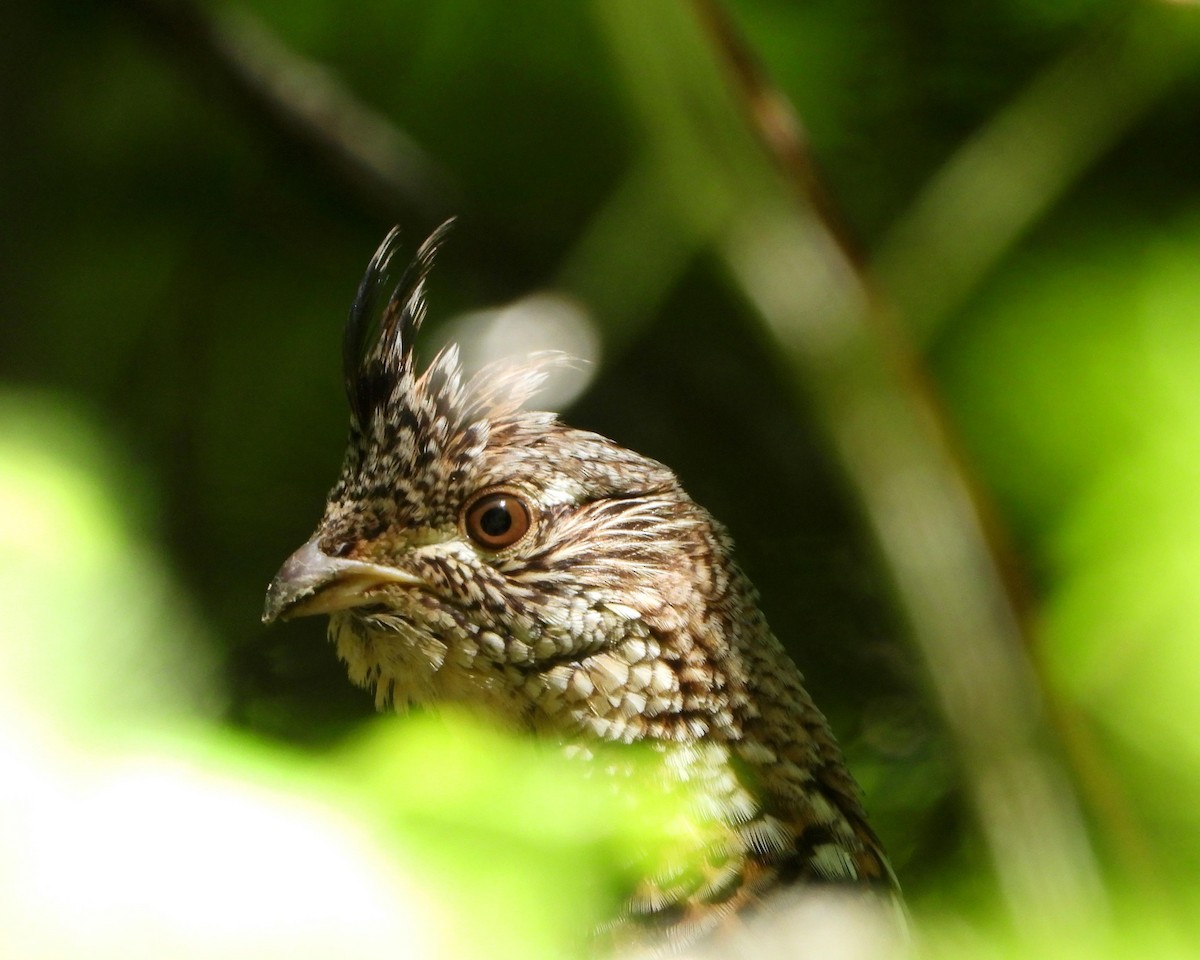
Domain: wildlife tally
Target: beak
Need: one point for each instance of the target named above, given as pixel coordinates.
(311, 582)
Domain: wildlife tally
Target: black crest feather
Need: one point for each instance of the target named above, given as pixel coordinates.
(377, 347)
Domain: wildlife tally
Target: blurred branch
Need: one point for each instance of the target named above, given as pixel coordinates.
(776, 124)
(1008, 175)
(647, 270)
(794, 263)
(304, 106)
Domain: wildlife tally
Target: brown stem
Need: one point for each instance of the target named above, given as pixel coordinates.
(302, 106)
(813, 291)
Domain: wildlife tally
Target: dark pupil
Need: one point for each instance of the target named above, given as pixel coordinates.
(495, 521)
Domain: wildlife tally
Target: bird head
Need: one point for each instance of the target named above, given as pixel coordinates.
(473, 551)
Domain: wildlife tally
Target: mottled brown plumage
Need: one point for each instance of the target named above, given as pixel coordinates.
(616, 612)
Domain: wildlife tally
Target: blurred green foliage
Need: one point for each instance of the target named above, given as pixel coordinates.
(173, 278)
(163, 833)
(1096, 458)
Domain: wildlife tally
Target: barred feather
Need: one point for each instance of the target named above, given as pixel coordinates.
(618, 615)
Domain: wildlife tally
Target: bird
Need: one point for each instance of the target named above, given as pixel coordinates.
(477, 553)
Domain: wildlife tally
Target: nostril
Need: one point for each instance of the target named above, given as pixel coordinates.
(342, 549)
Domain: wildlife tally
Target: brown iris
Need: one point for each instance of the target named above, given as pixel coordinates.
(497, 520)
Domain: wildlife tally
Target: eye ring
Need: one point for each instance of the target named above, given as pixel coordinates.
(497, 519)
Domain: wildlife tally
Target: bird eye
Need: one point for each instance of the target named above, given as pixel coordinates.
(497, 520)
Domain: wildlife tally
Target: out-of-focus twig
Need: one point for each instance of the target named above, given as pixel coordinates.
(997, 185)
(776, 124)
(793, 262)
(648, 270)
(303, 106)
(988, 194)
